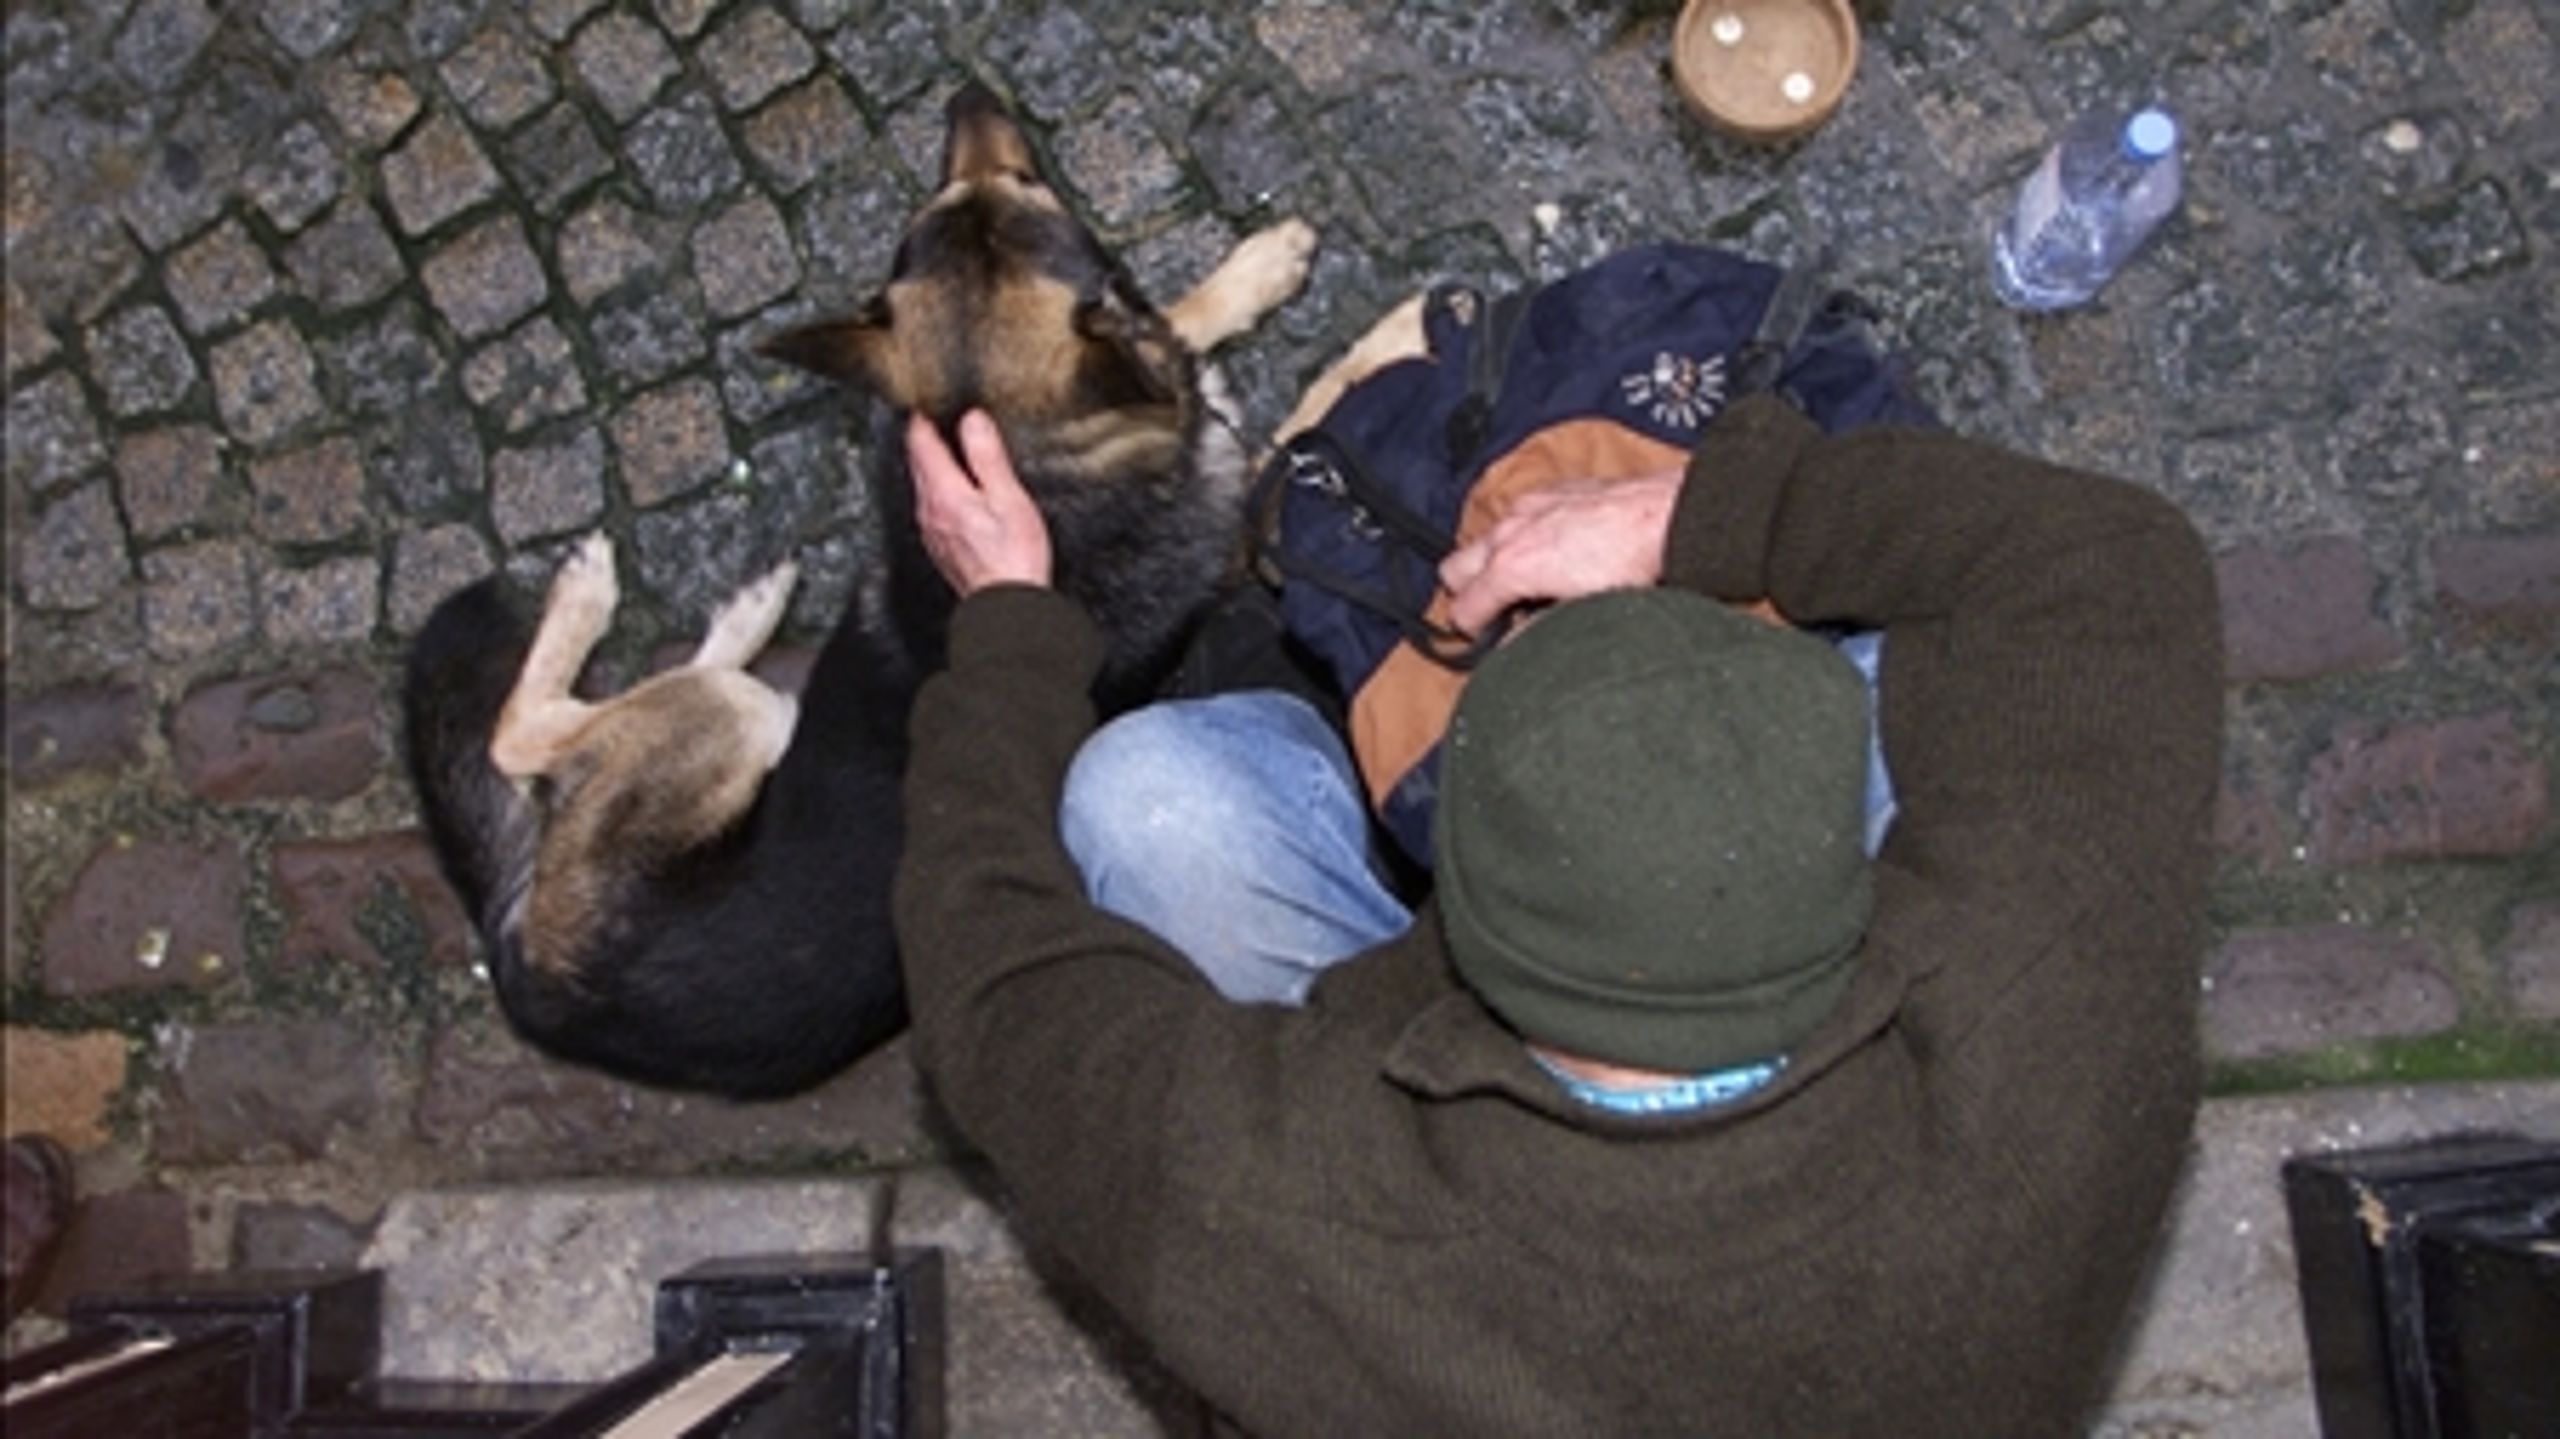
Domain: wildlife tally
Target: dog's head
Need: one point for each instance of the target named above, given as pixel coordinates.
(1000, 299)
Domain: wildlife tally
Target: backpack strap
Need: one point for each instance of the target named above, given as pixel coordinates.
(1792, 305)
(1320, 460)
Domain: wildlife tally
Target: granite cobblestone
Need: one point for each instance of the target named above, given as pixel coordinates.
(220, 279)
(167, 479)
(347, 260)
(317, 310)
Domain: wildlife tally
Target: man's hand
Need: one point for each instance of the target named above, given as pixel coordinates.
(979, 524)
(1560, 543)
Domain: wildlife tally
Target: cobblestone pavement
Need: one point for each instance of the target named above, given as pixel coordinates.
(318, 309)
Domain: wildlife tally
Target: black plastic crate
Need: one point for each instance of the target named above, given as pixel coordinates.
(2430, 1280)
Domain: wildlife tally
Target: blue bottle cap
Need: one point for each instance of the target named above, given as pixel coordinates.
(2150, 134)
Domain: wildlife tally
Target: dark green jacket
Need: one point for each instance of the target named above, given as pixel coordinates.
(1377, 1216)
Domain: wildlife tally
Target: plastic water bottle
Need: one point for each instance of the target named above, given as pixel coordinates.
(2099, 193)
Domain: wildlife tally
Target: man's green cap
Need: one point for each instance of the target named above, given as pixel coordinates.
(1650, 831)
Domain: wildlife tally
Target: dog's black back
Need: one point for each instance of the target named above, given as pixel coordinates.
(755, 966)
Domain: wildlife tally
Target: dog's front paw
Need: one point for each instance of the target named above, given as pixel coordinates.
(742, 628)
(1274, 261)
(586, 589)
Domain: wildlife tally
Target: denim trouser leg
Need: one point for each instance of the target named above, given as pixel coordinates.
(1234, 828)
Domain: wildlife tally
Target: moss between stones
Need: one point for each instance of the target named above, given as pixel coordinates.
(2479, 1053)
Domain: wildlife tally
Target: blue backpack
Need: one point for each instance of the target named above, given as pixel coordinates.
(1612, 371)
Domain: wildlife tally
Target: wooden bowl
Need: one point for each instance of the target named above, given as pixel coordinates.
(1764, 69)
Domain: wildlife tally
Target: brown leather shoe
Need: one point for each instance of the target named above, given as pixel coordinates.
(35, 1209)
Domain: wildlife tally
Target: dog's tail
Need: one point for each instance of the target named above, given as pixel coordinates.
(461, 668)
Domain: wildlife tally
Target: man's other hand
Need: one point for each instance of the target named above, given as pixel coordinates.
(979, 523)
(1562, 542)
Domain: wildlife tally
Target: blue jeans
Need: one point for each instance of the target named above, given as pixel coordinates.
(1235, 829)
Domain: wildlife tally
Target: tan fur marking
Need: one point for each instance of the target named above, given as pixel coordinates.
(1257, 277)
(1397, 336)
(667, 767)
(745, 625)
(540, 718)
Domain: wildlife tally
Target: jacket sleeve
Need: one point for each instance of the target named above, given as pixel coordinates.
(2053, 645)
(1077, 1051)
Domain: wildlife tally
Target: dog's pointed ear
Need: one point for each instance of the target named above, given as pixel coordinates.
(1143, 355)
(849, 349)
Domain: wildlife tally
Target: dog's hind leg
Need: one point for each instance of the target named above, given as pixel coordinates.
(745, 625)
(542, 718)
(1255, 279)
(1397, 336)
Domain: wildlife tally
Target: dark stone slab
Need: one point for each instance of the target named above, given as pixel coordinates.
(261, 1091)
(2468, 786)
(289, 736)
(2301, 612)
(2289, 991)
(147, 914)
(379, 901)
(2506, 584)
(115, 1241)
(83, 729)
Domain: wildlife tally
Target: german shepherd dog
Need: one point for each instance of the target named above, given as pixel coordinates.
(688, 884)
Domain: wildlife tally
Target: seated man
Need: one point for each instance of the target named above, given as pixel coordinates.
(1671, 1113)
